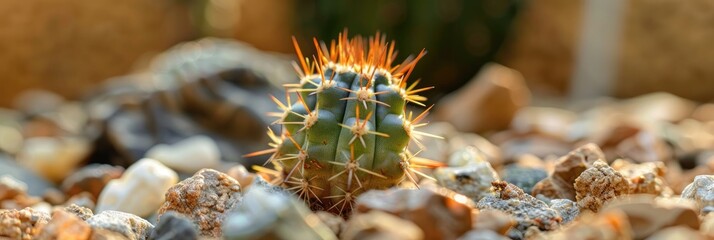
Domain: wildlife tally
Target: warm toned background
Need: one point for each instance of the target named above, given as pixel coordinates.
(67, 46)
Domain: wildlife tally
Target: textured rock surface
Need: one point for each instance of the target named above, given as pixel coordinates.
(598, 185)
(188, 155)
(525, 209)
(471, 176)
(440, 214)
(647, 214)
(559, 185)
(174, 226)
(488, 102)
(567, 209)
(65, 225)
(380, 225)
(701, 191)
(92, 179)
(647, 178)
(273, 215)
(523, 177)
(22, 224)
(204, 198)
(140, 190)
(128, 225)
(81, 212)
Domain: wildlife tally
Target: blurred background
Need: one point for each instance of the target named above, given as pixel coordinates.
(630, 47)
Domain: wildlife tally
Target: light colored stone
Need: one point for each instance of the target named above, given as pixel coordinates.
(22, 224)
(701, 191)
(269, 215)
(188, 155)
(550, 121)
(567, 209)
(53, 158)
(472, 175)
(488, 102)
(494, 220)
(128, 225)
(380, 225)
(597, 185)
(677, 233)
(140, 190)
(647, 214)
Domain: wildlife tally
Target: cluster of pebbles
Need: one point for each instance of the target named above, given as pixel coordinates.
(639, 168)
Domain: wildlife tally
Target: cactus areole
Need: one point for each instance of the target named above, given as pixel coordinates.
(346, 129)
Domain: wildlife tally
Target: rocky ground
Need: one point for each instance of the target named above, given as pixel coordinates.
(132, 163)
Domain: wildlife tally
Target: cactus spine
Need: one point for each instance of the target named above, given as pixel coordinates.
(348, 130)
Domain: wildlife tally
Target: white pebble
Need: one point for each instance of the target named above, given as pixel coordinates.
(188, 155)
(140, 191)
(53, 158)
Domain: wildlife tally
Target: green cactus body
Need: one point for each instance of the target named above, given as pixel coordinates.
(348, 131)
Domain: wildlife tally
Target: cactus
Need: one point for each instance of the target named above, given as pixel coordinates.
(348, 130)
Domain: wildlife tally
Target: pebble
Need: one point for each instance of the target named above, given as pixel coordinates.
(488, 102)
(79, 211)
(36, 185)
(53, 158)
(543, 120)
(140, 190)
(679, 233)
(22, 224)
(472, 176)
(204, 198)
(269, 215)
(599, 184)
(525, 209)
(482, 234)
(65, 225)
(174, 226)
(644, 178)
(440, 213)
(567, 209)
(645, 147)
(494, 220)
(126, 224)
(91, 179)
(610, 225)
(559, 185)
(240, 173)
(188, 155)
(380, 225)
(701, 191)
(647, 215)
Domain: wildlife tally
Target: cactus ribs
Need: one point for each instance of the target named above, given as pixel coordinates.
(348, 130)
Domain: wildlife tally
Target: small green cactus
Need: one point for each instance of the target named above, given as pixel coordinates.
(348, 131)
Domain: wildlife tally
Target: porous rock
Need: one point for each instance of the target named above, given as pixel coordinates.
(598, 185)
(559, 185)
(174, 226)
(701, 191)
(22, 224)
(472, 176)
(126, 224)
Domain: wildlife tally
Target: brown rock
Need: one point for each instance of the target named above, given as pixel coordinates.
(79, 211)
(13, 194)
(487, 102)
(22, 224)
(204, 198)
(645, 147)
(647, 214)
(610, 225)
(380, 225)
(549, 121)
(240, 173)
(91, 179)
(645, 178)
(438, 214)
(494, 220)
(569, 167)
(679, 232)
(65, 225)
(704, 112)
(599, 184)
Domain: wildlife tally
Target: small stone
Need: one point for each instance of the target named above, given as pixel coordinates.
(644, 178)
(523, 177)
(104, 234)
(240, 173)
(439, 213)
(567, 209)
(11, 187)
(36, 185)
(658, 106)
(569, 167)
(188, 155)
(65, 225)
(472, 178)
(380, 225)
(704, 112)
(126, 224)
(679, 232)
(54, 196)
(81, 212)
(83, 199)
(610, 225)
(22, 224)
(525, 209)
(53, 158)
(598, 185)
(489, 151)
(266, 215)
(204, 198)
(174, 226)
(647, 214)
(91, 179)
(487, 102)
(494, 220)
(701, 191)
(645, 147)
(544, 120)
(140, 190)
(482, 234)
(332, 221)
